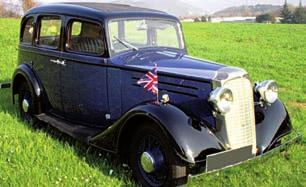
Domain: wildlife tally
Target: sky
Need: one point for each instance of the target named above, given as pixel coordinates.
(211, 5)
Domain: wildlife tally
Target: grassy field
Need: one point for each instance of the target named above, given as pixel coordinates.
(43, 157)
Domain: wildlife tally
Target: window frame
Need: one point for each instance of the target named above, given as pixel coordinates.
(37, 39)
(68, 31)
(24, 23)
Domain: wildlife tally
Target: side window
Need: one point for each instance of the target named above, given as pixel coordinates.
(50, 31)
(27, 31)
(85, 37)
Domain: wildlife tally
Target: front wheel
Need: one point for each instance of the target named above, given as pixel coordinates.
(153, 160)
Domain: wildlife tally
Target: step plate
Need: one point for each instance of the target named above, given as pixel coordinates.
(81, 133)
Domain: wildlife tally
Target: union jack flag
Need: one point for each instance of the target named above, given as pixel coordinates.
(150, 81)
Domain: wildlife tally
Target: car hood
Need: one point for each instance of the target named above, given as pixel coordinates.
(171, 63)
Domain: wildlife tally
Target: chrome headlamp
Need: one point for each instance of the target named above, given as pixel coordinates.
(268, 91)
(222, 99)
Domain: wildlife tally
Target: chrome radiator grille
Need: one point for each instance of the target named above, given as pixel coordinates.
(240, 121)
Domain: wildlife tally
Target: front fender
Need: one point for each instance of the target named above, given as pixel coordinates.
(189, 142)
(27, 73)
(276, 124)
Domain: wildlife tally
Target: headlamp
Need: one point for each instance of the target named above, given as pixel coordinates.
(222, 99)
(268, 91)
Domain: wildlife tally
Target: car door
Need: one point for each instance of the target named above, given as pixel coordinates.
(47, 58)
(84, 76)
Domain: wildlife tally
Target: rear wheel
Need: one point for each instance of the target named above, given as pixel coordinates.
(153, 161)
(27, 103)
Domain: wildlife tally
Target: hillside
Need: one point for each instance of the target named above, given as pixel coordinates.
(174, 7)
(247, 11)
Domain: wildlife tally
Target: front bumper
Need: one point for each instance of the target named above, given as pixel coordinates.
(217, 162)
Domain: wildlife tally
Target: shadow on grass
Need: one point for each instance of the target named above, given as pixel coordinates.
(108, 164)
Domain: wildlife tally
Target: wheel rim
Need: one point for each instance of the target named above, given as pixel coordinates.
(147, 162)
(151, 161)
(26, 106)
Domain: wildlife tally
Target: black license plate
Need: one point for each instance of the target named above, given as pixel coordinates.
(228, 158)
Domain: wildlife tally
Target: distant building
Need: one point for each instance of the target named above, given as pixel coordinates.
(278, 19)
(233, 19)
(187, 20)
(222, 19)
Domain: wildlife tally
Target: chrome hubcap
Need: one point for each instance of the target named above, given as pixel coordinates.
(147, 162)
(25, 105)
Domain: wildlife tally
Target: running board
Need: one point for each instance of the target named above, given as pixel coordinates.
(81, 133)
(5, 85)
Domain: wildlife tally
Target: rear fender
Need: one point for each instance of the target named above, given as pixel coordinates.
(24, 73)
(188, 142)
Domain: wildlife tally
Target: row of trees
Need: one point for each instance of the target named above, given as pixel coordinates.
(10, 9)
(297, 16)
(266, 18)
(203, 19)
(288, 15)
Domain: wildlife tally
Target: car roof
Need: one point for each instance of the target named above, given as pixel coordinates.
(100, 11)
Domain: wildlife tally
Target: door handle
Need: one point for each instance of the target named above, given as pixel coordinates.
(60, 62)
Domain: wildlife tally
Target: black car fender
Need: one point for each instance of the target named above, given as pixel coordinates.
(25, 73)
(275, 125)
(188, 142)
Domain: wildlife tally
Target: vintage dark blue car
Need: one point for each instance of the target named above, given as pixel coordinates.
(79, 64)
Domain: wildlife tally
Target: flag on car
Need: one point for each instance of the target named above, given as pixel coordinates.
(150, 81)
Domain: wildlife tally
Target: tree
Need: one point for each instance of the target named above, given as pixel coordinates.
(28, 4)
(196, 20)
(299, 15)
(9, 8)
(286, 14)
(1, 9)
(203, 19)
(209, 19)
(265, 18)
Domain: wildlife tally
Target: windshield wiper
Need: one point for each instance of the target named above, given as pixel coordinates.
(126, 44)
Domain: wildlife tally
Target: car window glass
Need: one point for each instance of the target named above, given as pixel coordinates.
(113, 30)
(131, 33)
(28, 31)
(76, 28)
(85, 37)
(134, 33)
(50, 30)
(167, 37)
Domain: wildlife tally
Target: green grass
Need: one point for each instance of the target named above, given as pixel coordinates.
(41, 157)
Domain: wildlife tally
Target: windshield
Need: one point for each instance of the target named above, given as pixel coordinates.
(134, 34)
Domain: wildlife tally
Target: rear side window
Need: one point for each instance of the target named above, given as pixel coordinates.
(85, 37)
(50, 31)
(28, 30)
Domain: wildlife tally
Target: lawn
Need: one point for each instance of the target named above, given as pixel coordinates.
(43, 157)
